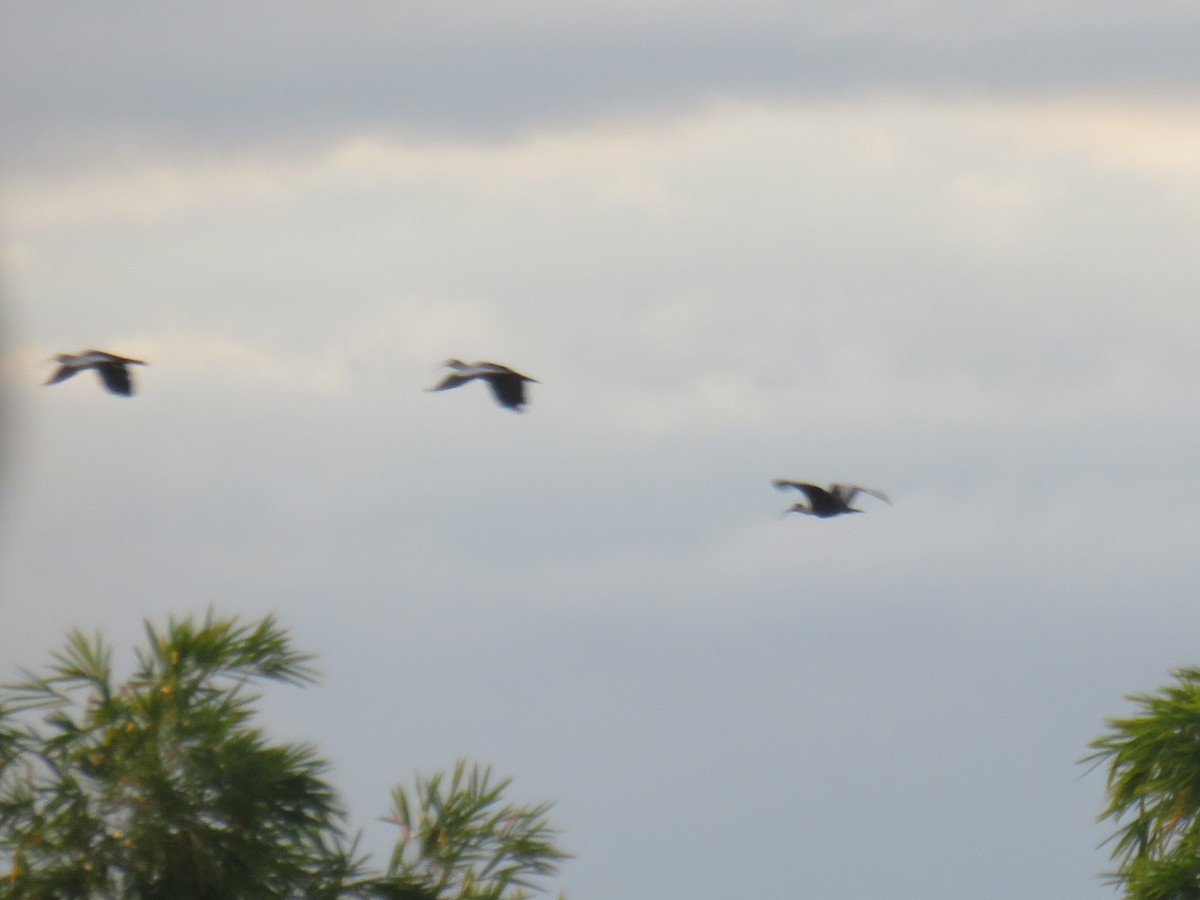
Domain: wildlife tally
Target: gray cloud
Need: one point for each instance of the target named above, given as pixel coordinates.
(81, 78)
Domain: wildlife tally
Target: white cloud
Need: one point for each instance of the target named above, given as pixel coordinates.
(1158, 138)
(679, 268)
(655, 167)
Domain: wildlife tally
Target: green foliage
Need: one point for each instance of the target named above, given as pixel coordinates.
(1153, 761)
(161, 787)
(461, 842)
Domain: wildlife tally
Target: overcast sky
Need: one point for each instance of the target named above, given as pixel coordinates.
(943, 249)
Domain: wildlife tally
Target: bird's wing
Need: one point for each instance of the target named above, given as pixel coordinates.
(508, 389)
(491, 368)
(453, 380)
(814, 493)
(99, 356)
(848, 492)
(63, 373)
(115, 377)
(878, 495)
(476, 368)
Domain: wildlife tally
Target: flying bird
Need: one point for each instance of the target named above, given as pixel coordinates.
(112, 369)
(827, 503)
(508, 387)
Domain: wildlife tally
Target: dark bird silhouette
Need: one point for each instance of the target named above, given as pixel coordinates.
(827, 503)
(508, 387)
(112, 369)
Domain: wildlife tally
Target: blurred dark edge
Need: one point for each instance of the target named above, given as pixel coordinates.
(7, 425)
